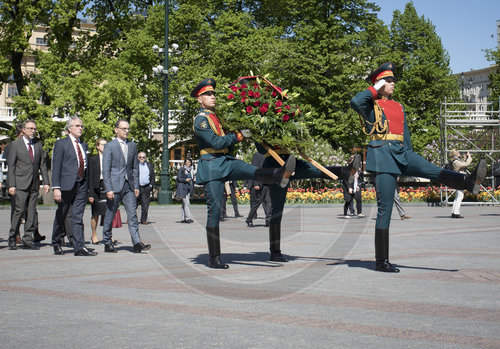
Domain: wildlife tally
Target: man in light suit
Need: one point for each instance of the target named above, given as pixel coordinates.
(120, 175)
(69, 182)
(25, 161)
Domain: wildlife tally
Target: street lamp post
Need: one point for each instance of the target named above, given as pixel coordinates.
(165, 195)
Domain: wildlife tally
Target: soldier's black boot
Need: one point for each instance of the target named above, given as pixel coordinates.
(343, 172)
(382, 252)
(274, 243)
(213, 239)
(12, 243)
(280, 175)
(460, 181)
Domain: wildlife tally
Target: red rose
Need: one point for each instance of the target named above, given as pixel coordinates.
(278, 110)
(286, 118)
(273, 94)
(263, 110)
(279, 103)
(255, 86)
(250, 93)
(266, 105)
(256, 94)
(243, 93)
(256, 103)
(244, 86)
(230, 96)
(287, 107)
(243, 99)
(249, 109)
(234, 88)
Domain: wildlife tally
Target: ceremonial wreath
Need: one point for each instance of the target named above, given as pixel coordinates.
(254, 103)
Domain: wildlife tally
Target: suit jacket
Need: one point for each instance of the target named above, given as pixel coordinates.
(94, 176)
(115, 169)
(22, 172)
(65, 163)
(382, 156)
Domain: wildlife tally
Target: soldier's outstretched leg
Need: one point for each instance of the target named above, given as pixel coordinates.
(280, 175)
(274, 243)
(213, 240)
(460, 181)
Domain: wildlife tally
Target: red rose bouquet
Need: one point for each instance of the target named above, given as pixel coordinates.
(254, 103)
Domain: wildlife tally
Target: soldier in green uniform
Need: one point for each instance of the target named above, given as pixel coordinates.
(390, 154)
(217, 166)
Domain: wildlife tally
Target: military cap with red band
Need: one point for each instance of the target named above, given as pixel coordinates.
(386, 70)
(204, 86)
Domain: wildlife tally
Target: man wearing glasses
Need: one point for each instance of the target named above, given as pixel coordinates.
(69, 183)
(146, 181)
(120, 176)
(25, 162)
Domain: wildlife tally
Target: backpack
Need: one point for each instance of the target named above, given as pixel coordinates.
(449, 165)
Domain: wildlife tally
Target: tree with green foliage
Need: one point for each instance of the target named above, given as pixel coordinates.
(493, 56)
(423, 74)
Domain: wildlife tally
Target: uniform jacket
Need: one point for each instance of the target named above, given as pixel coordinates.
(65, 163)
(21, 170)
(383, 155)
(183, 186)
(209, 134)
(115, 169)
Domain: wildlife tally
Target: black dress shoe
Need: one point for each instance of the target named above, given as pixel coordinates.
(453, 215)
(110, 248)
(140, 246)
(217, 263)
(30, 246)
(58, 250)
(276, 256)
(12, 244)
(250, 224)
(189, 221)
(386, 267)
(184, 221)
(85, 252)
(38, 238)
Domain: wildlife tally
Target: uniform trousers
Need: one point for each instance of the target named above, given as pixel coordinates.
(214, 189)
(386, 185)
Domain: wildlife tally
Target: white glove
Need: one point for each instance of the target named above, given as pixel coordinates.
(246, 133)
(378, 85)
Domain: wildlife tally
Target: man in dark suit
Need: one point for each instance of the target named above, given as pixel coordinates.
(69, 182)
(259, 194)
(25, 161)
(146, 181)
(120, 175)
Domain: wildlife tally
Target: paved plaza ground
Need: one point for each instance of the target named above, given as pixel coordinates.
(328, 296)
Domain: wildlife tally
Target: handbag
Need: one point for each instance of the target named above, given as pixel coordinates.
(117, 220)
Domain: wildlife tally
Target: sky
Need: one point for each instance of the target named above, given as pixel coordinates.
(466, 27)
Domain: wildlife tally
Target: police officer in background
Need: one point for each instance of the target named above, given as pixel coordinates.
(390, 154)
(217, 166)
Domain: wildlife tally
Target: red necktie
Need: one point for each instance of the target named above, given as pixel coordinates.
(81, 166)
(30, 149)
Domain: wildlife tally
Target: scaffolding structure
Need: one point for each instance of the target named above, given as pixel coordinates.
(473, 128)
